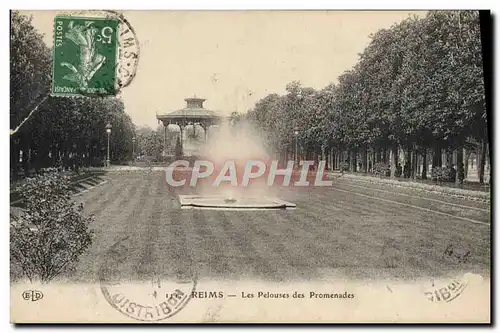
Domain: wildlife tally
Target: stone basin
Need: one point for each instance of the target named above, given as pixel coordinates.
(240, 203)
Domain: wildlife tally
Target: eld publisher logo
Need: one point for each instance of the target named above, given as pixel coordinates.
(32, 295)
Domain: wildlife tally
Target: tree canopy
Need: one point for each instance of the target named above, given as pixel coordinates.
(418, 83)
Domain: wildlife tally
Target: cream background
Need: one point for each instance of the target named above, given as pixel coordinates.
(374, 301)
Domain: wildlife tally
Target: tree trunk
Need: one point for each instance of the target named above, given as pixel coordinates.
(414, 162)
(332, 159)
(365, 160)
(324, 157)
(449, 158)
(355, 161)
(393, 154)
(460, 166)
(424, 164)
(26, 159)
(351, 162)
(436, 156)
(54, 155)
(396, 154)
(482, 158)
(406, 165)
(466, 153)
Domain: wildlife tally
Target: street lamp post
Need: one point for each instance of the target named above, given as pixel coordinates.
(296, 132)
(108, 130)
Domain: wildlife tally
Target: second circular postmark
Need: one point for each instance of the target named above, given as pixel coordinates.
(152, 299)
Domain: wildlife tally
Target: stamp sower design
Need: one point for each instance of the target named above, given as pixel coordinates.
(85, 51)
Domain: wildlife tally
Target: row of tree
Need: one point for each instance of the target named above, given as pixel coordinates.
(61, 132)
(417, 88)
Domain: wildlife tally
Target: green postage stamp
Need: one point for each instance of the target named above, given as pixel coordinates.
(85, 56)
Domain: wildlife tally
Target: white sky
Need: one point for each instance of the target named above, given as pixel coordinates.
(235, 58)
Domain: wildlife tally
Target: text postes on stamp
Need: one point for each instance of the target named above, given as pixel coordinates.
(95, 54)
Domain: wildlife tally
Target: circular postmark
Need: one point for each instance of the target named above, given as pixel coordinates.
(96, 53)
(128, 52)
(447, 291)
(152, 299)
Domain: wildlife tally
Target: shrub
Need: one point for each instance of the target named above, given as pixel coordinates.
(51, 232)
(443, 174)
(382, 169)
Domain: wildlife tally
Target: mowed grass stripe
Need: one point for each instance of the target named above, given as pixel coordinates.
(339, 234)
(212, 246)
(174, 244)
(112, 224)
(326, 213)
(444, 200)
(116, 194)
(407, 212)
(417, 193)
(168, 246)
(94, 198)
(92, 195)
(296, 242)
(373, 232)
(415, 207)
(427, 236)
(325, 198)
(332, 234)
(213, 255)
(443, 207)
(252, 241)
(362, 247)
(278, 244)
(232, 252)
(150, 262)
(243, 255)
(113, 204)
(406, 216)
(128, 223)
(265, 230)
(423, 218)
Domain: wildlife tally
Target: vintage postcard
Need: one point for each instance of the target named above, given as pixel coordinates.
(250, 166)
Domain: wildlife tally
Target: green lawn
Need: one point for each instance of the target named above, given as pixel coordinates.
(341, 231)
